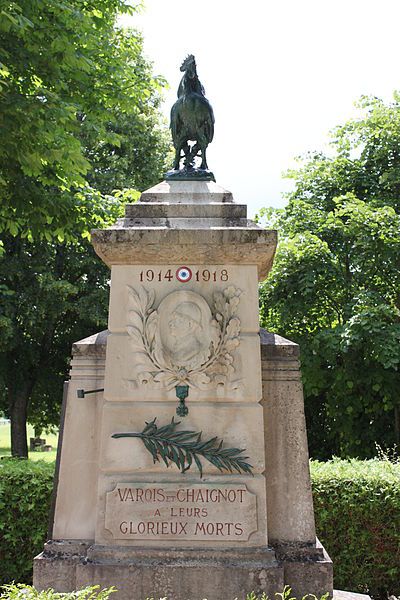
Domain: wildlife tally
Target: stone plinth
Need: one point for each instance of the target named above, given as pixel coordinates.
(185, 266)
(63, 564)
(186, 221)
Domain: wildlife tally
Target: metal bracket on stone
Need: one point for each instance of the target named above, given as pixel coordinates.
(83, 393)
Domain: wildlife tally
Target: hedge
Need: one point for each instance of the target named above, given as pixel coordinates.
(357, 510)
(25, 495)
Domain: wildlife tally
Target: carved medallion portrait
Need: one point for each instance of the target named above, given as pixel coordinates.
(184, 341)
(186, 330)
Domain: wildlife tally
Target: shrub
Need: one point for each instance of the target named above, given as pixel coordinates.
(25, 496)
(26, 592)
(357, 511)
(285, 595)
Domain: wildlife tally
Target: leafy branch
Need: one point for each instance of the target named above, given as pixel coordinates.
(184, 447)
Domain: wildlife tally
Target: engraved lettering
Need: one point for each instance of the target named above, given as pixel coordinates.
(179, 511)
(183, 527)
(123, 527)
(200, 528)
(238, 529)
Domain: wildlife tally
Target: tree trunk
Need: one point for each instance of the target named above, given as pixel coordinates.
(18, 414)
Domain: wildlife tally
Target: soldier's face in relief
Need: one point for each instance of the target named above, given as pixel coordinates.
(180, 325)
(185, 320)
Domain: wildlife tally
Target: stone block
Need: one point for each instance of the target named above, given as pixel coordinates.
(139, 573)
(239, 428)
(307, 568)
(161, 281)
(252, 520)
(289, 497)
(187, 192)
(127, 366)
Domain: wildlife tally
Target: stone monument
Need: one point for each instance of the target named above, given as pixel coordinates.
(183, 466)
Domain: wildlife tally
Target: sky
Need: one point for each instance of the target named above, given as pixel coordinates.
(279, 75)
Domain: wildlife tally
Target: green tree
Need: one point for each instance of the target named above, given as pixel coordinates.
(68, 77)
(51, 295)
(79, 108)
(335, 284)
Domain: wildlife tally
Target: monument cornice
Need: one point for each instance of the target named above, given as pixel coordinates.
(161, 245)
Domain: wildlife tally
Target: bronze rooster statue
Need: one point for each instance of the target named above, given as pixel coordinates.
(192, 120)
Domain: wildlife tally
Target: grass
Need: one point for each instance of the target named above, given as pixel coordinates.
(51, 439)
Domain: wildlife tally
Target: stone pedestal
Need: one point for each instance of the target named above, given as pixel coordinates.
(185, 265)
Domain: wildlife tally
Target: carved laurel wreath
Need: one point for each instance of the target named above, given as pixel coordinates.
(152, 366)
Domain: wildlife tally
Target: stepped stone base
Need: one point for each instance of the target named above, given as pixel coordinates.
(189, 573)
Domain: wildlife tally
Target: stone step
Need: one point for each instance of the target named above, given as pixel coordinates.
(158, 210)
(343, 595)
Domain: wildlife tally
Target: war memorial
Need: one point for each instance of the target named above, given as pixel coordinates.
(183, 464)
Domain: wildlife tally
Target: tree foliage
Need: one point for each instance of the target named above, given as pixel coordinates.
(335, 285)
(79, 114)
(53, 294)
(69, 81)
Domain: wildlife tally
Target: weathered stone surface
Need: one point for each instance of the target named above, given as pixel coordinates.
(188, 192)
(274, 346)
(94, 345)
(119, 246)
(179, 575)
(187, 573)
(67, 548)
(168, 210)
(309, 575)
(289, 498)
(181, 511)
(342, 595)
(57, 564)
(205, 280)
(74, 516)
(306, 567)
(177, 220)
(57, 573)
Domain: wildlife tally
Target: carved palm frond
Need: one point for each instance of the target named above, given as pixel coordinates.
(183, 448)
